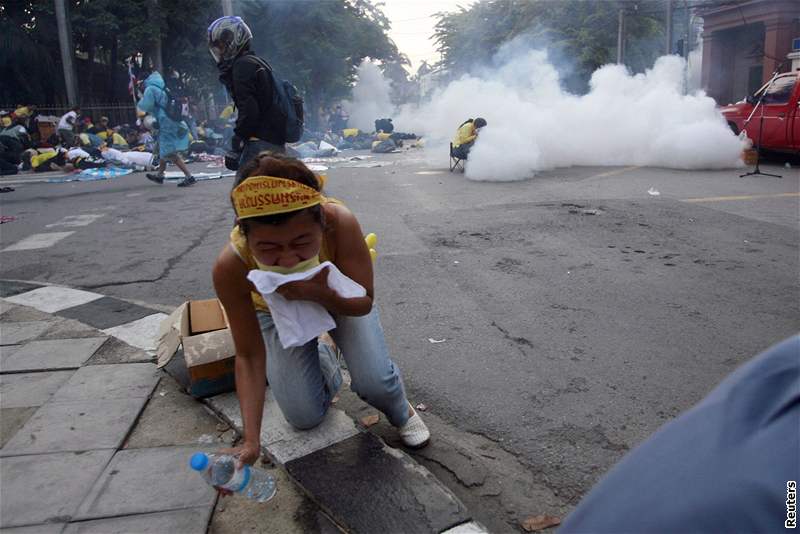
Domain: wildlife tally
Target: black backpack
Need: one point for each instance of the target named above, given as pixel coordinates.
(173, 107)
(286, 108)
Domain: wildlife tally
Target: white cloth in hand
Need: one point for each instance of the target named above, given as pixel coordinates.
(300, 321)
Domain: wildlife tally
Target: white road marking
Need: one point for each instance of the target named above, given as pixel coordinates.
(73, 221)
(51, 299)
(142, 333)
(428, 173)
(134, 194)
(37, 241)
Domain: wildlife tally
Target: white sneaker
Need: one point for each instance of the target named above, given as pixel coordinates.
(414, 433)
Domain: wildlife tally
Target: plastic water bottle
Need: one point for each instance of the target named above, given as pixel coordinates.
(220, 470)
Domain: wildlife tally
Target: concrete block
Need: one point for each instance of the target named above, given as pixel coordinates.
(16, 333)
(106, 312)
(282, 441)
(174, 418)
(188, 521)
(94, 382)
(46, 488)
(140, 481)
(22, 390)
(377, 489)
(51, 299)
(142, 333)
(10, 288)
(51, 354)
(116, 351)
(46, 528)
(11, 420)
(467, 528)
(14, 313)
(76, 426)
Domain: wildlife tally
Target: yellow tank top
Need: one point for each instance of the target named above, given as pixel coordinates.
(239, 245)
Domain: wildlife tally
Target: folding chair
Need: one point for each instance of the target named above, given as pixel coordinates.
(455, 161)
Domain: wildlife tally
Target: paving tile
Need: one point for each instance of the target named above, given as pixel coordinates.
(93, 382)
(56, 483)
(14, 313)
(22, 390)
(5, 352)
(139, 481)
(75, 426)
(467, 528)
(174, 418)
(378, 489)
(45, 528)
(51, 299)
(11, 420)
(106, 312)
(116, 351)
(282, 441)
(188, 521)
(142, 333)
(62, 328)
(9, 288)
(16, 333)
(51, 354)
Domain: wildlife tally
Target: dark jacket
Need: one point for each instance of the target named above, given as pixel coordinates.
(250, 84)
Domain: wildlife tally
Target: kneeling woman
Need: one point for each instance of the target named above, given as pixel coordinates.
(295, 238)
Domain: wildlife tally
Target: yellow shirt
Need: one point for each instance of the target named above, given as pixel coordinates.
(465, 134)
(227, 112)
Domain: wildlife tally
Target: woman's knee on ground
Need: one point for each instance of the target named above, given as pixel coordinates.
(304, 417)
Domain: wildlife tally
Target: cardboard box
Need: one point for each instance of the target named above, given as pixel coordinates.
(202, 328)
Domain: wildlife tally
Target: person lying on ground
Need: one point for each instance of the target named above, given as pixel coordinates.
(466, 135)
(303, 379)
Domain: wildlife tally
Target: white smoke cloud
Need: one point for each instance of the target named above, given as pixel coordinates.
(371, 97)
(643, 119)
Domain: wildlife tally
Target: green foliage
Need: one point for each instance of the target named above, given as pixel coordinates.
(318, 45)
(579, 35)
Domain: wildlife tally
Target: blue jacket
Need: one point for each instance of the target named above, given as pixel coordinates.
(154, 101)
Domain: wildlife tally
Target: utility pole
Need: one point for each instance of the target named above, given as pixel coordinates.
(227, 8)
(668, 31)
(621, 37)
(67, 51)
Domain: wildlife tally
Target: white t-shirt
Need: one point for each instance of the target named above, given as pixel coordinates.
(63, 124)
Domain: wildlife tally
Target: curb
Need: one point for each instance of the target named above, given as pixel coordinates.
(357, 479)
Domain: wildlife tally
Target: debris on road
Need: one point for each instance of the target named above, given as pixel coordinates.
(370, 420)
(7, 219)
(539, 522)
(653, 192)
(6, 189)
(431, 340)
(421, 407)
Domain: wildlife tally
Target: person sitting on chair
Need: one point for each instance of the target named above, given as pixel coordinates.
(465, 137)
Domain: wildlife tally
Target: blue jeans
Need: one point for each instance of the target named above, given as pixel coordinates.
(254, 147)
(305, 379)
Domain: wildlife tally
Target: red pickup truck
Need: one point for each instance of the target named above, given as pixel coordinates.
(781, 115)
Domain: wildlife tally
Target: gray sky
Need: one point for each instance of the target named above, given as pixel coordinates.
(412, 25)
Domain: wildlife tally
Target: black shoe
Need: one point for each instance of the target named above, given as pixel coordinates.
(187, 181)
(155, 178)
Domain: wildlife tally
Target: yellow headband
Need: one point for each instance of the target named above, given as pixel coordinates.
(268, 195)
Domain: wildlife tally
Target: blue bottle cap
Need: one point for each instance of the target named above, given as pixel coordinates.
(199, 461)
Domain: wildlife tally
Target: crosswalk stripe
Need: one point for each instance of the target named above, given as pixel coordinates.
(51, 299)
(37, 241)
(72, 221)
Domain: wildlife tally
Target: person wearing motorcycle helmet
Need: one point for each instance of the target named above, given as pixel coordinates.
(249, 82)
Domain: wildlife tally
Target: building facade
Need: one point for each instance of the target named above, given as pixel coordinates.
(744, 43)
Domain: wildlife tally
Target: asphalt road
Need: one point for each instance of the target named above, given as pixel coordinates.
(578, 312)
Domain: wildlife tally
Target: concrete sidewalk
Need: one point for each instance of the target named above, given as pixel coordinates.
(88, 446)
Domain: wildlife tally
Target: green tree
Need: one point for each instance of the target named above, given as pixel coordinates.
(578, 34)
(318, 45)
